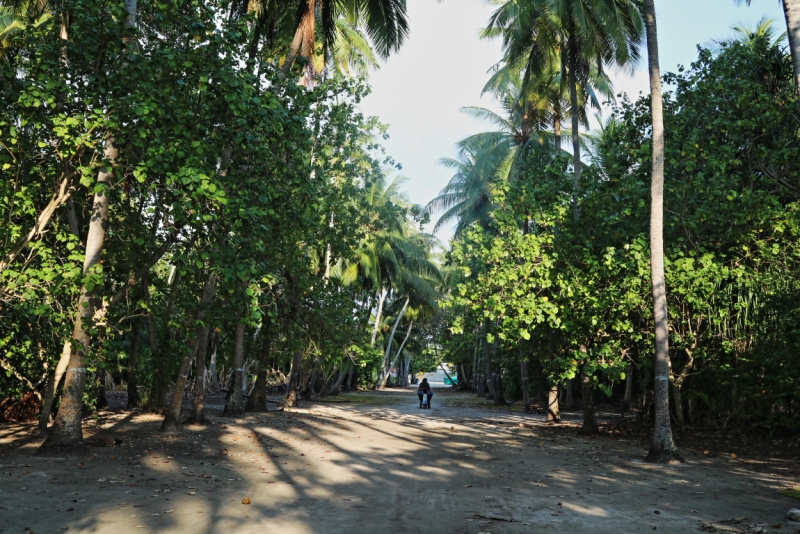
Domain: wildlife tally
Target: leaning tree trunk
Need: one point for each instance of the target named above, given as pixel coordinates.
(303, 41)
(235, 403)
(66, 429)
(397, 357)
(172, 420)
(376, 327)
(52, 385)
(662, 448)
(384, 371)
(290, 401)
(344, 372)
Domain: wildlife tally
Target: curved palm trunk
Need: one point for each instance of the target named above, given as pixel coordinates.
(662, 448)
(376, 327)
(399, 352)
(384, 372)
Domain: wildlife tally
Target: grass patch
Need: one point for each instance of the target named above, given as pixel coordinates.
(793, 493)
(360, 400)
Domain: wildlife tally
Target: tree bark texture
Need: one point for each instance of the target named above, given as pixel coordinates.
(384, 366)
(553, 413)
(791, 11)
(198, 415)
(172, 420)
(235, 403)
(66, 429)
(290, 401)
(662, 448)
(589, 427)
(576, 138)
(258, 399)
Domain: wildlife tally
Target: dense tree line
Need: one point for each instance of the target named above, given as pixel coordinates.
(553, 248)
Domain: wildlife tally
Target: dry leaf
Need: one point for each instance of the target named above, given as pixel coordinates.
(245, 501)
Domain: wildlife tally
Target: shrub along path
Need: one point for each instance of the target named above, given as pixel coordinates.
(374, 461)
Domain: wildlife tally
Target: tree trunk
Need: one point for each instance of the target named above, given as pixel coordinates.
(791, 11)
(576, 138)
(568, 401)
(557, 132)
(198, 415)
(349, 382)
(134, 400)
(290, 401)
(553, 413)
(626, 400)
(159, 389)
(677, 404)
(526, 396)
(382, 378)
(375, 328)
(663, 447)
(52, 386)
(487, 364)
(499, 396)
(212, 362)
(66, 429)
(235, 403)
(258, 399)
(309, 390)
(397, 357)
(343, 374)
(589, 427)
(475, 362)
(172, 420)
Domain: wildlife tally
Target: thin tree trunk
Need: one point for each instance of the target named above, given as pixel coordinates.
(791, 12)
(487, 365)
(52, 386)
(677, 404)
(576, 138)
(172, 419)
(526, 396)
(589, 427)
(134, 400)
(557, 132)
(258, 399)
(626, 400)
(290, 401)
(198, 415)
(382, 378)
(349, 382)
(309, 390)
(66, 429)
(235, 404)
(212, 363)
(553, 413)
(375, 328)
(399, 352)
(475, 362)
(663, 447)
(343, 374)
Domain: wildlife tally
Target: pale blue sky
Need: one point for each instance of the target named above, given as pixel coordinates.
(442, 67)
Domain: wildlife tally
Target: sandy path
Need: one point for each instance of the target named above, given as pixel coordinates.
(381, 467)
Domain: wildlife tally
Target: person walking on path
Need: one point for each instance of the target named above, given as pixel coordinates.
(424, 389)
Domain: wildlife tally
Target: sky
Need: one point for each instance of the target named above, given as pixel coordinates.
(443, 66)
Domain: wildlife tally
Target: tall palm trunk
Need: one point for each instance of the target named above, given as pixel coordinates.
(663, 448)
(381, 300)
(791, 11)
(399, 352)
(575, 112)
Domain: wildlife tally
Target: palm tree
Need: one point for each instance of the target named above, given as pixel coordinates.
(791, 12)
(384, 22)
(582, 36)
(662, 448)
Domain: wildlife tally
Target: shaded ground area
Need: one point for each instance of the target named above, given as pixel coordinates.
(373, 461)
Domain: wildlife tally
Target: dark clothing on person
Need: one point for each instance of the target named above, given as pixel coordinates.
(424, 389)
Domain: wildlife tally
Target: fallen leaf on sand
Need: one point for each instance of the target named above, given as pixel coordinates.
(245, 501)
